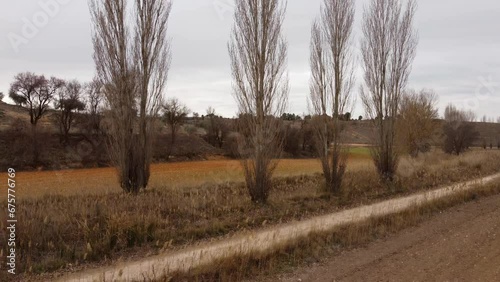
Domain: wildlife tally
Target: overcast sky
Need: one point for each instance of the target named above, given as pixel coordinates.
(458, 53)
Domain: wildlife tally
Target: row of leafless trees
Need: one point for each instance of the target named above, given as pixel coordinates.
(258, 59)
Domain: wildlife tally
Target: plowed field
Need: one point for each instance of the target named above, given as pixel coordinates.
(165, 175)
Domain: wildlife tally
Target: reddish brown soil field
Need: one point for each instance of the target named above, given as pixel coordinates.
(164, 175)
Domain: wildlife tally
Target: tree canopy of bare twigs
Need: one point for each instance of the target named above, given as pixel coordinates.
(459, 131)
(35, 92)
(94, 100)
(388, 48)
(258, 53)
(417, 121)
(67, 103)
(174, 114)
(453, 114)
(331, 84)
(132, 57)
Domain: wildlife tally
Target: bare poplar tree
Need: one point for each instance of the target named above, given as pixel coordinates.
(132, 58)
(331, 84)
(152, 57)
(258, 55)
(388, 49)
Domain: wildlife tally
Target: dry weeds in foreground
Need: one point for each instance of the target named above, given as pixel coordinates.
(316, 246)
(58, 232)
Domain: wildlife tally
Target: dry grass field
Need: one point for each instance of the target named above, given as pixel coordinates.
(73, 219)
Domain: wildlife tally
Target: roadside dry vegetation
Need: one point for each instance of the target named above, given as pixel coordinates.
(57, 232)
(317, 246)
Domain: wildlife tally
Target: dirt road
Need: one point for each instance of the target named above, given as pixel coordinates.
(460, 244)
